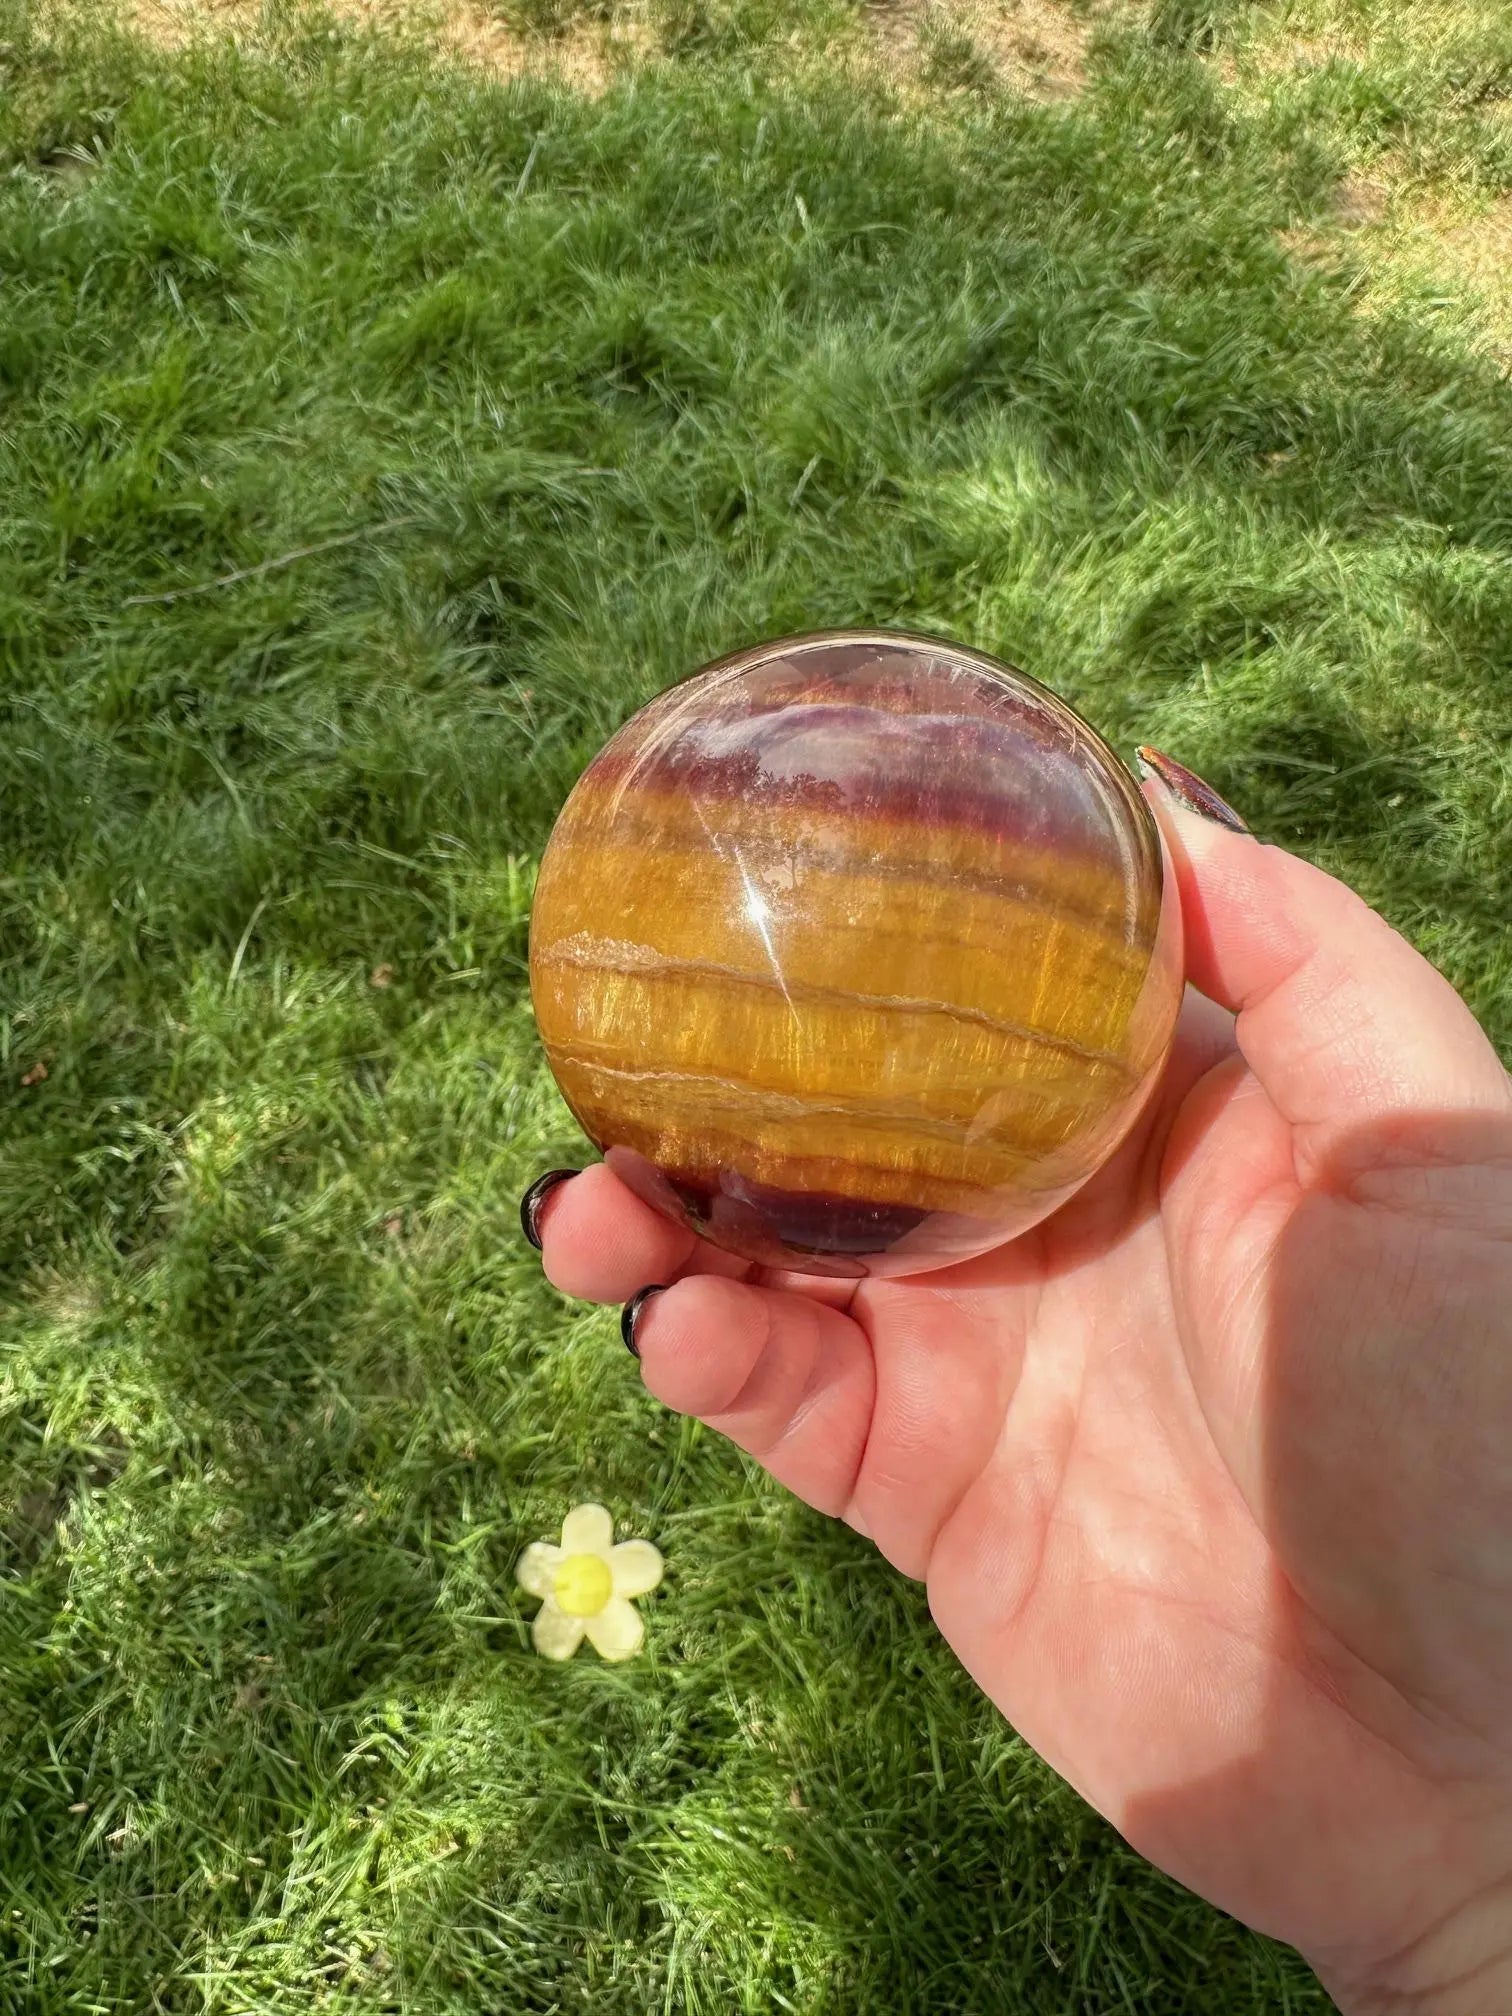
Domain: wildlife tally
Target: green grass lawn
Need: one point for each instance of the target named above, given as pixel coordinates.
(558, 396)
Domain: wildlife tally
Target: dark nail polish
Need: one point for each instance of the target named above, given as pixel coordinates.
(630, 1315)
(534, 1198)
(1188, 789)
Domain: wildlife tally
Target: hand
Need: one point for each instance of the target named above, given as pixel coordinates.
(1210, 1476)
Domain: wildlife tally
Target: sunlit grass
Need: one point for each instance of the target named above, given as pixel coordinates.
(506, 407)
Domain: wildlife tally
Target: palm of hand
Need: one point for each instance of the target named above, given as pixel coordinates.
(1117, 1452)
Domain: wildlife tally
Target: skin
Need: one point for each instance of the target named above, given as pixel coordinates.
(1210, 1477)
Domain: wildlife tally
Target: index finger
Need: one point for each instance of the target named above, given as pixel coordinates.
(1338, 1016)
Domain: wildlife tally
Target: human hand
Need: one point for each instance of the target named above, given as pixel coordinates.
(1209, 1476)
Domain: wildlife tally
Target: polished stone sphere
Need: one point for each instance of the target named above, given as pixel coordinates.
(856, 952)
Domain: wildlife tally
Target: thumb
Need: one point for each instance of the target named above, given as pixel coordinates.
(1338, 1017)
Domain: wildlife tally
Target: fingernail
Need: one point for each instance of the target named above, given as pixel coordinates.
(534, 1198)
(630, 1315)
(1187, 788)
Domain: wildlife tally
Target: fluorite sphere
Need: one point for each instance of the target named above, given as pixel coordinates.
(853, 951)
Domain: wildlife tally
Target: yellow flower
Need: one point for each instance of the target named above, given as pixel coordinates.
(586, 1584)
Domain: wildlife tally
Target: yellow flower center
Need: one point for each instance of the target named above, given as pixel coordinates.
(582, 1585)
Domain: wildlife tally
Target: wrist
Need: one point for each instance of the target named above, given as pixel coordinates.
(1460, 1966)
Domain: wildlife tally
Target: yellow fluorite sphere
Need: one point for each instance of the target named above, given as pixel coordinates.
(857, 952)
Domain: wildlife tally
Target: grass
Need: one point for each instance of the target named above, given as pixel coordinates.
(558, 396)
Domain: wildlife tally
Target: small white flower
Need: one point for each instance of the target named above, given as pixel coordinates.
(585, 1586)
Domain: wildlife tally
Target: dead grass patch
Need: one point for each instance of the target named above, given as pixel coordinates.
(1294, 56)
(1481, 248)
(1037, 48)
(587, 56)
(1398, 237)
(1362, 200)
(1436, 241)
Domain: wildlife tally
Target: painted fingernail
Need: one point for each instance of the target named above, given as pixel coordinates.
(630, 1315)
(534, 1198)
(1187, 788)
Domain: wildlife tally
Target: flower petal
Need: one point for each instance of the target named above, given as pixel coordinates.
(636, 1567)
(537, 1566)
(617, 1631)
(554, 1633)
(587, 1529)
